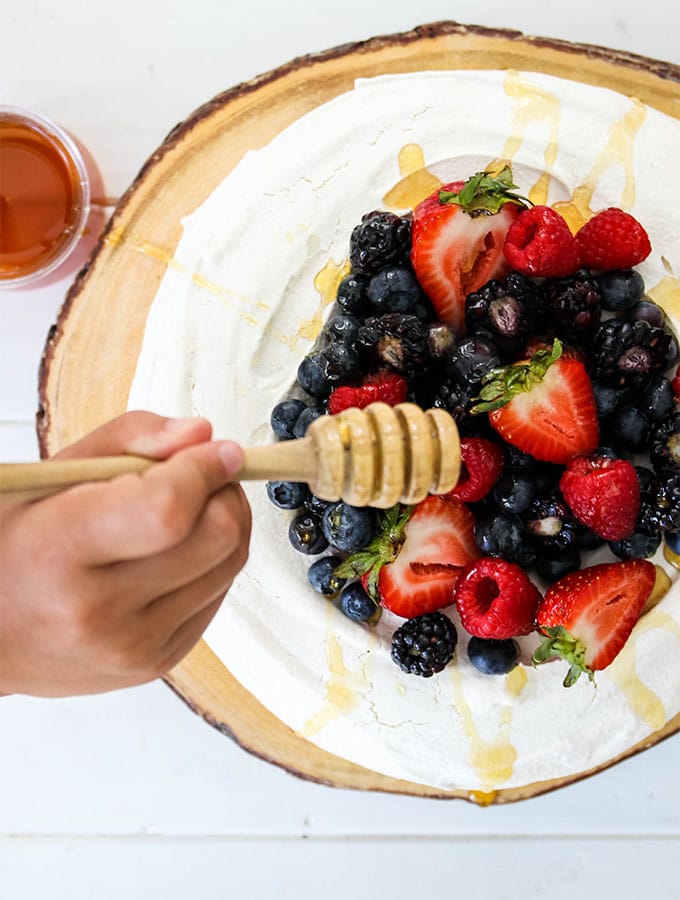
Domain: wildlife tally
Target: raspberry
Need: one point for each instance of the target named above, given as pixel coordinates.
(387, 387)
(603, 494)
(482, 464)
(675, 384)
(496, 599)
(613, 239)
(539, 243)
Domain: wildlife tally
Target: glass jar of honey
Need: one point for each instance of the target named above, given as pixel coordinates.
(44, 196)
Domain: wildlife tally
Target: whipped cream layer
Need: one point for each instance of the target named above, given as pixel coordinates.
(243, 301)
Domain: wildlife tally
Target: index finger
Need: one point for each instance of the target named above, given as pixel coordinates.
(135, 516)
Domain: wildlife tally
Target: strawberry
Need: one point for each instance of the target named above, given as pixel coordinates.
(387, 387)
(588, 615)
(481, 464)
(603, 494)
(417, 557)
(612, 239)
(675, 385)
(543, 406)
(457, 240)
(540, 243)
(496, 599)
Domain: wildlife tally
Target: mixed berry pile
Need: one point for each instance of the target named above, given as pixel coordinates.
(562, 378)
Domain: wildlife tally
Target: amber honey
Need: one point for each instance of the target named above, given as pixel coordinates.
(43, 196)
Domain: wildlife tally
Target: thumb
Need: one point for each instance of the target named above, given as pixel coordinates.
(141, 433)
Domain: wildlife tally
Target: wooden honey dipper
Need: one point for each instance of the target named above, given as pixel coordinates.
(377, 457)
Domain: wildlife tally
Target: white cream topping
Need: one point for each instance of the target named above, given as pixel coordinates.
(238, 309)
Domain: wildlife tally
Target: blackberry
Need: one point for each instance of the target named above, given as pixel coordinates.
(440, 339)
(663, 504)
(628, 354)
(455, 399)
(425, 644)
(397, 340)
(574, 306)
(664, 443)
(550, 526)
(381, 239)
(508, 310)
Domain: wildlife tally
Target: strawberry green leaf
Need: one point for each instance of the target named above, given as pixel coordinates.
(559, 644)
(383, 549)
(500, 385)
(485, 193)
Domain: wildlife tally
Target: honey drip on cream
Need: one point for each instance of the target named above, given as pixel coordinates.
(493, 762)
(644, 702)
(342, 689)
(326, 282)
(532, 104)
(617, 152)
(416, 182)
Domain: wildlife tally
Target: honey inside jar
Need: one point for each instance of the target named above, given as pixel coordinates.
(42, 202)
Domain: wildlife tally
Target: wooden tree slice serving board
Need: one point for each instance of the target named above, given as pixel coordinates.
(91, 352)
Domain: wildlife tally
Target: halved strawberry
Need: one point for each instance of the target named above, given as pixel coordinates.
(457, 239)
(415, 561)
(544, 406)
(588, 615)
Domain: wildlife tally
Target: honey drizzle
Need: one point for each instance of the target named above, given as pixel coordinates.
(666, 294)
(516, 681)
(118, 237)
(493, 763)
(642, 699)
(326, 284)
(342, 689)
(416, 182)
(618, 151)
(532, 104)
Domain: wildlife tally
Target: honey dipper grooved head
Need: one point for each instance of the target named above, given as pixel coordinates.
(383, 455)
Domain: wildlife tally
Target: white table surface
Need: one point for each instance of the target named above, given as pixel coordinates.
(129, 795)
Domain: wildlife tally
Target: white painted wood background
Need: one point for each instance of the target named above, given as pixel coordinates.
(130, 795)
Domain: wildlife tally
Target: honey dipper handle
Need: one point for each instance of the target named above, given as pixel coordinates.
(285, 461)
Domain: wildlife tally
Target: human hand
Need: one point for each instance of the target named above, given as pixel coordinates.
(110, 584)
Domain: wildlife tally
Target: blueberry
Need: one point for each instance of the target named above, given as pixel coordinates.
(284, 416)
(656, 401)
(552, 568)
(606, 399)
(287, 494)
(550, 526)
(672, 539)
(316, 505)
(343, 329)
(501, 535)
(338, 363)
(306, 535)
(514, 491)
(493, 657)
(352, 297)
(640, 545)
(394, 290)
(647, 311)
(348, 528)
(471, 358)
(620, 289)
(307, 416)
(628, 428)
(587, 539)
(356, 604)
(311, 378)
(321, 575)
